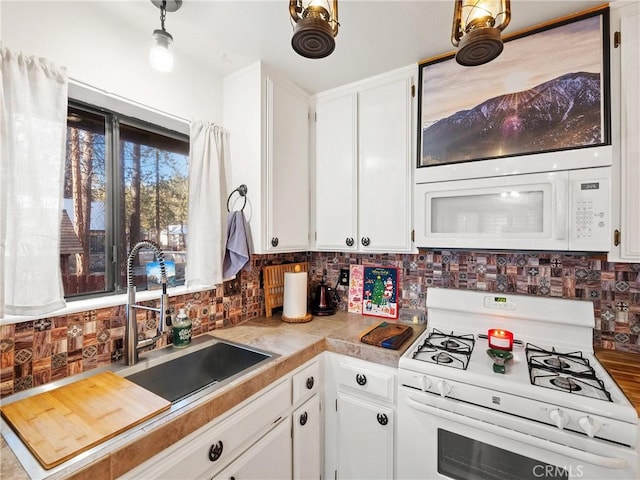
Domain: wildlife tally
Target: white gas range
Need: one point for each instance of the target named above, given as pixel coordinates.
(554, 413)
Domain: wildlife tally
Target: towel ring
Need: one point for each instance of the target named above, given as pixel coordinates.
(242, 191)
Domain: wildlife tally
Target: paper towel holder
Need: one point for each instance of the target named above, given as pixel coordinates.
(296, 285)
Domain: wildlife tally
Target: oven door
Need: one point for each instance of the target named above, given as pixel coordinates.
(440, 438)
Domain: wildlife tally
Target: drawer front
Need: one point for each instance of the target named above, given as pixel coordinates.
(306, 382)
(209, 449)
(364, 377)
(269, 458)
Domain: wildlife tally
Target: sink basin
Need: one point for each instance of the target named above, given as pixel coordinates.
(216, 364)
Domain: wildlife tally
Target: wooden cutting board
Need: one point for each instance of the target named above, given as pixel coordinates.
(387, 335)
(61, 423)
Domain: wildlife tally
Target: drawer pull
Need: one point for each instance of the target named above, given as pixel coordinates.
(383, 419)
(303, 419)
(215, 451)
(310, 382)
(361, 379)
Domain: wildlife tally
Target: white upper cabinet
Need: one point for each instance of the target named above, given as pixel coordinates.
(336, 174)
(363, 154)
(268, 122)
(625, 78)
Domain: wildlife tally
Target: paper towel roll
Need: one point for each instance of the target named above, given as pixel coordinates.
(295, 295)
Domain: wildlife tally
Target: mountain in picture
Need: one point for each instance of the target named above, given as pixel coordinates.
(561, 113)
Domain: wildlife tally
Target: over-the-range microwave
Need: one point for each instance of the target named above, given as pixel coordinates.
(552, 203)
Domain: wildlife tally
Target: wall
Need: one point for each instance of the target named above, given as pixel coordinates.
(37, 352)
(80, 36)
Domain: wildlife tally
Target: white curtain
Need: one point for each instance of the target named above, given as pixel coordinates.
(33, 124)
(208, 164)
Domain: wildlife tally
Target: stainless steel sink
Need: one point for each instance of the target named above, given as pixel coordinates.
(216, 364)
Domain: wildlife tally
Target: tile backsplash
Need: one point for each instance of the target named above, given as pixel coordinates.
(37, 352)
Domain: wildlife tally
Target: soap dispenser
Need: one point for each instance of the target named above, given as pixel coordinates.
(181, 330)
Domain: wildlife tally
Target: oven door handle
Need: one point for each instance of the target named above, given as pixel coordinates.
(606, 462)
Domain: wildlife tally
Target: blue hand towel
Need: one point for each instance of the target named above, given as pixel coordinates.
(237, 253)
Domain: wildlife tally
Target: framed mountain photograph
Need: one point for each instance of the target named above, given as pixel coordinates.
(547, 91)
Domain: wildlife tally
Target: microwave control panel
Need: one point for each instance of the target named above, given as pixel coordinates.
(590, 208)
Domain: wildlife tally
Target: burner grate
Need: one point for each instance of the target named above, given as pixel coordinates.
(446, 349)
(567, 372)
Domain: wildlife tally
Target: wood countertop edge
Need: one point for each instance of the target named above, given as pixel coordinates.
(624, 368)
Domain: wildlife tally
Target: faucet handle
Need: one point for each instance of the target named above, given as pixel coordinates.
(165, 312)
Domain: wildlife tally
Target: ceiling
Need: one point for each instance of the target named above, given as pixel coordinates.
(375, 36)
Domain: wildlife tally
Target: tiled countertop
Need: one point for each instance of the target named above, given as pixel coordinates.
(296, 343)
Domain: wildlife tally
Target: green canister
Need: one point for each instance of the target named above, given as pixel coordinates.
(181, 330)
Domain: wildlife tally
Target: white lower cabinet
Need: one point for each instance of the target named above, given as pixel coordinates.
(360, 401)
(269, 459)
(365, 439)
(254, 440)
(307, 437)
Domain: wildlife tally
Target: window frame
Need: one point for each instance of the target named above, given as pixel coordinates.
(114, 166)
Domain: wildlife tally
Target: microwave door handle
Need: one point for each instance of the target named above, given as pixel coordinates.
(562, 210)
(601, 461)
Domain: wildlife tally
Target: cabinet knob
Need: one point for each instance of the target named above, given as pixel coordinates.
(303, 419)
(383, 419)
(361, 379)
(349, 241)
(215, 451)
(274, 242)
(365, 241)
(310, 383)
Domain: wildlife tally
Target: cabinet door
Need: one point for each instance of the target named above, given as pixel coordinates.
(335, 174)
(629, 128)
(365, 439)
(307, 440)
(384, 160)
(268, 459)
(287, 188)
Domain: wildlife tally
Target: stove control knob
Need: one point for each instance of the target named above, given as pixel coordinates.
(425, 383)
(560, 418)
(589, 425)
(443, 388)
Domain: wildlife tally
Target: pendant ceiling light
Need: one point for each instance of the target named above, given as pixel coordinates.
(316, 25)
(477, 25)
(161, 52)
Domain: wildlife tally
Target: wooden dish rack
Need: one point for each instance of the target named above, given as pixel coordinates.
(273, 277)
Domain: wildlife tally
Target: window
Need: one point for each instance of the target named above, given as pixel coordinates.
(125, 181)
